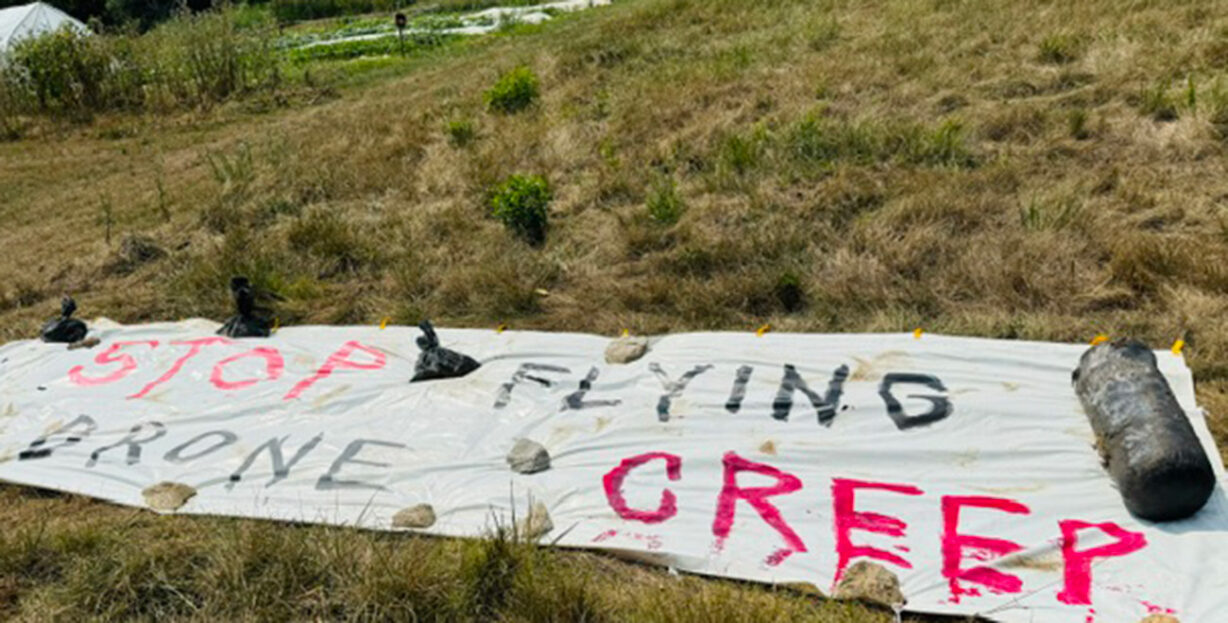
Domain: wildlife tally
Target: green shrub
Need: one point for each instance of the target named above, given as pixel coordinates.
(66, 71)
(515, 91)
(460, 132)
(520, 203)
(664, 204)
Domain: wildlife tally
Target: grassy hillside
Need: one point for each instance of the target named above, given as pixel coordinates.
(1032, 170)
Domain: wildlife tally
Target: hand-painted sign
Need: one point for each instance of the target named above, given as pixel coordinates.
(964, 466)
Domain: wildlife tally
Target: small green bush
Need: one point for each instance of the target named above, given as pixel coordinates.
(664, 204)
(515, 91)
(520, 203)
(461, 132)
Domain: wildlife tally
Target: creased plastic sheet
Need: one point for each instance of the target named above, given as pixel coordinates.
(965, 466)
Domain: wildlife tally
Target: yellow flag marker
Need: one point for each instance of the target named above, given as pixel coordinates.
(764, 329)
(383, 324)
(1177, 346)
(501, 328)
(626, 332)
(917, 333)
(276, 325)
(1099, 339)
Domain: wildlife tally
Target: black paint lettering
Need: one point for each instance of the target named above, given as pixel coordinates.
(824, 406)
(73, 432)
(522, 374)
(329, 481)
(226, 438)
(673, 389)
(281, 468)
(940, 406)
(133, 443)
(738, 393)
(575, 400)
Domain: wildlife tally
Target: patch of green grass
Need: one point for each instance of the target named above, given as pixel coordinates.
(415, 43)
(1059, 49)
(1158, 103)
(664, 204)
(460, 132)
(1076, 124)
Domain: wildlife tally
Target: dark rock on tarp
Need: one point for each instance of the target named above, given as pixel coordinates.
(1144, 437)
(437, 362)
(65, 329)
(250, 321)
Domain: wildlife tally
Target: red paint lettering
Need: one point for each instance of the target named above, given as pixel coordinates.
(126, 365)
(194, 349)
(757, 498)
(848, 518)
(613, 482)
(983, 548)
(1078, 588)
(340, 359)
(274, 365)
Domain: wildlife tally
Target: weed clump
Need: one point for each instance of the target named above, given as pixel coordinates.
(460, 132)
(1059, 49)
(514, 92)
(788, 292)
(664, 204)
(520, 203)
(1157, 103)
(1076, 122)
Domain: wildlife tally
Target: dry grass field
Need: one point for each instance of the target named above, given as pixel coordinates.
(1031, 170)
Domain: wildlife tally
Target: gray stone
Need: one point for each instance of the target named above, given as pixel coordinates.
(528, 457)
(168, 496)
(537, 524)
(418, 516)
(626, 349)
(867, 581)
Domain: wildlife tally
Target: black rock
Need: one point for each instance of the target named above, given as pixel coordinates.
(437, 362)
(65, 329)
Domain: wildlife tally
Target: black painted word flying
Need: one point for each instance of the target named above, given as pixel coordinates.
(825, 405)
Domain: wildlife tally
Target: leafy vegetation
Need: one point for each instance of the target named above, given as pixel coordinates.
(520, 203)
(515, 91)
(301, 10)
(193, 60)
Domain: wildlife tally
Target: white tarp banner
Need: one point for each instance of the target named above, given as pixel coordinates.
(965, 466)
